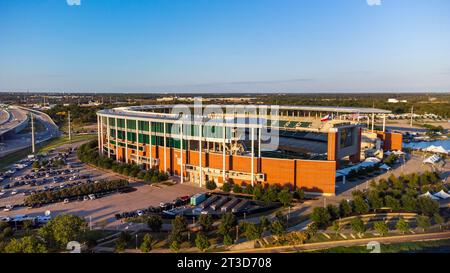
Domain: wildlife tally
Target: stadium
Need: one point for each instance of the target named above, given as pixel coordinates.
(295, 146)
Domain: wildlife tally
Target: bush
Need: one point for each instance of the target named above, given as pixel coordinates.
(237, 188)
(211, 185)
(226, 187)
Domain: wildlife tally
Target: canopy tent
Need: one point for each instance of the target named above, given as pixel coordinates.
(442, 194)
(429, 195)
(432, 159)
(436, 149)
(370, 161)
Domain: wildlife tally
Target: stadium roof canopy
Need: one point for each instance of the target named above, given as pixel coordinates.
(323, 109)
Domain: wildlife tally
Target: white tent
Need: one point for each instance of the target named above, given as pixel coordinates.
(429, 195)
(436, 149)
(432, 159)
(442, 194)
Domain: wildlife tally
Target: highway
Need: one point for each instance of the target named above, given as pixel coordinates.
(14, 142)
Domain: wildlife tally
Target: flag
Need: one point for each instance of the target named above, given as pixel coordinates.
(326, 118)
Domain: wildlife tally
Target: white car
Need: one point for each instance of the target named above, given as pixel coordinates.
(140, 212)
(13, 192)
(91, 196)
(2, 193)
(8, 208)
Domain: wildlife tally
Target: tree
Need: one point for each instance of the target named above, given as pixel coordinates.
(227, 223)
(375, 202)
(226, 187)
(252, 231)
(237, 188)
(392, 203)
(402, 226)
(258, 192)
(63, 229)
(311, 230)
(336, 227)
(278, 228)
(179, 225)
(381, 228)
(202, 242)
(264, 223)
(427, 206)
(438, 220)
(409, 203)
(211, 185)
(423, 222)
(28, 244)
(299, 194)
(205, 221)
(360, 206)
(333, 211)
(154, 222)
(175, 246)
(344, 208)
(227, 240)
(285, 197)
(321, 217)
(357, 225)
(147, 243)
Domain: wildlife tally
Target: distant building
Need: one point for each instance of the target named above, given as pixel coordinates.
(396, 101)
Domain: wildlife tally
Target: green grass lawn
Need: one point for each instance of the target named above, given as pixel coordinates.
(42, 147)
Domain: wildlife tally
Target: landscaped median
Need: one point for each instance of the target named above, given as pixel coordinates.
(99, 188)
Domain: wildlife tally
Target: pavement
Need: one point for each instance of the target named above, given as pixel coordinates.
(105, 208)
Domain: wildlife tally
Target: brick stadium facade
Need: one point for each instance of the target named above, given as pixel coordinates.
(155, 137)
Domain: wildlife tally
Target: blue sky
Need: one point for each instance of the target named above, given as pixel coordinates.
(225, 46)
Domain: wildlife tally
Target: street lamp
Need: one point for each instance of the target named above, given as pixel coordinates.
(136, 241)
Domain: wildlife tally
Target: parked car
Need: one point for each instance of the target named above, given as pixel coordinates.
(8, 208)
(91, 196)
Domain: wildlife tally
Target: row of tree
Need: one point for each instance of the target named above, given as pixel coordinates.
(74, 192)
(267, 194)
(88, 153)
(395, 193)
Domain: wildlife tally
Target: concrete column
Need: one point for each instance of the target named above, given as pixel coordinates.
(108, 136)
(384, 123)
(165, 145)
(223, 154)
(99, 135)
(117, 142)
(137, 142)
(373, 121)
(126, 140)
(181, 154)
(200, 153)
(253, 155)
(259, 142)
(150, 142)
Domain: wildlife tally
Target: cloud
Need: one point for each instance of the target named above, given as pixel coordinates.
(374, 2)
(73, 2)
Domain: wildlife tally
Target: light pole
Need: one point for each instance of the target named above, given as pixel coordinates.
(136, 241)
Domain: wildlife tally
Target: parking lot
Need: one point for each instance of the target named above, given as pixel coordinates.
(76, 173)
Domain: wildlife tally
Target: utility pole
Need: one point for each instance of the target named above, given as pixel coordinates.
(70, 129)
(33, 146)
